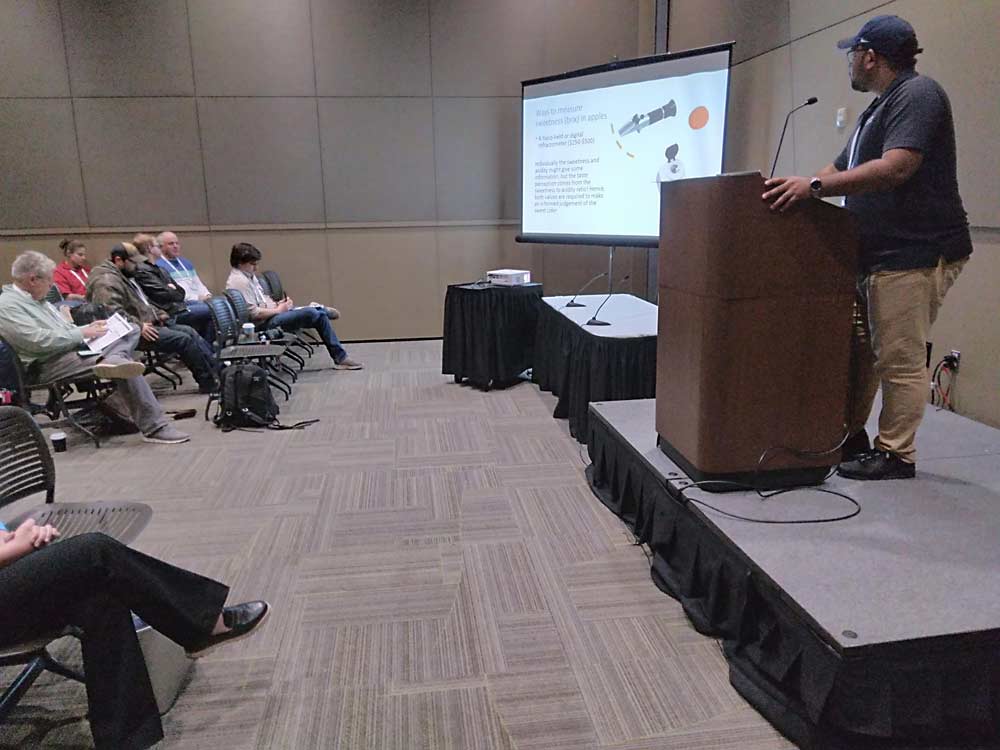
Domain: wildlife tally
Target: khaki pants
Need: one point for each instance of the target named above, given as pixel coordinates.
(894, 314)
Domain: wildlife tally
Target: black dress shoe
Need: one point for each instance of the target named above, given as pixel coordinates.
(878, 465)
(856, 446)
(241, 620)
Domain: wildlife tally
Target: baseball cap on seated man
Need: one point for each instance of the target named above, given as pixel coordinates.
(889, 36)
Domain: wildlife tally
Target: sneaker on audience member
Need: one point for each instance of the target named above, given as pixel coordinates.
(167, 435)
(347, 364)
(119, 369)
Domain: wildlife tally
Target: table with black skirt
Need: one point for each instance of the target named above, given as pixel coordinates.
(580, 363)
(489, 331)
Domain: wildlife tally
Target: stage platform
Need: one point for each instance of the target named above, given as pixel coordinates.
(878, 631)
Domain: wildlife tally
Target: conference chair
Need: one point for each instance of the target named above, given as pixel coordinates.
(26, 469)
(229, 349)
(58, 407)
(271, 283)
(279, 337)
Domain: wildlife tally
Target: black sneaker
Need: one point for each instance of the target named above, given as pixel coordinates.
(241, 620)
(856, 446)
(877, 465)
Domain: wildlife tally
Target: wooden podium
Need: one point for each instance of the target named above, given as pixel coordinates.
(754, 331)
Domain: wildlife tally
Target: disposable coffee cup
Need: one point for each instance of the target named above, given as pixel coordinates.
(248, 330)
(58, 442)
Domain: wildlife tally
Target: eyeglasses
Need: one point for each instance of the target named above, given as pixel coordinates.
(853, 51)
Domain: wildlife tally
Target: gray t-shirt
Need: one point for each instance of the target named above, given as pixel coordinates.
(923, 219)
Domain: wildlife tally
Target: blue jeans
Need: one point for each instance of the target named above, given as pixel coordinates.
(199, 317)
(310, 317)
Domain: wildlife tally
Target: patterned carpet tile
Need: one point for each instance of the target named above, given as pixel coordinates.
(442, 579)
(544, 710)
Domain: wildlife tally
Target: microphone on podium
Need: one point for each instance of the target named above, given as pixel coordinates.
(573, 302)
(808, 102)
(594, 321)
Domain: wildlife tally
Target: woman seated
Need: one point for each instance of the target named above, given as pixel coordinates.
(95, 583)
(70, 276)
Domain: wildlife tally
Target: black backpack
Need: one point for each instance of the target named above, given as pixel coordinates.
(245, 399)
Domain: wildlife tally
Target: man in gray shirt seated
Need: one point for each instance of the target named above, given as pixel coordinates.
(48, 345)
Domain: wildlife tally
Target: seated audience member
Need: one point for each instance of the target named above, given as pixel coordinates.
(94, 583)
(165, 293)
(180, 268)
(112, 284)
(70, 276)
(267, 313)
(48, 346)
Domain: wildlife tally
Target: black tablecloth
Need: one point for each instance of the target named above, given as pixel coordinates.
(579, 367)
(489, 331)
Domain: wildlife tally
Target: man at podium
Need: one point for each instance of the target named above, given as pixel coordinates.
(899, 175)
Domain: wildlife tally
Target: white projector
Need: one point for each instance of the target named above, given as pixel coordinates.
(508, 277)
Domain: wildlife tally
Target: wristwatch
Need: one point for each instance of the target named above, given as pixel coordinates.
(816, 187)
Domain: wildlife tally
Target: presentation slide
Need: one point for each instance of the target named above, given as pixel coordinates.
(597, 146)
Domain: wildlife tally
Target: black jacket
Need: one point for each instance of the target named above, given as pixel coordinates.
(160, 288)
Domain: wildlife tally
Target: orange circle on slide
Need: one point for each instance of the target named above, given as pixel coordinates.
(698, 118)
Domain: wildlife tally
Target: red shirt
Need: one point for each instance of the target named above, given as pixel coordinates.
(71, 280)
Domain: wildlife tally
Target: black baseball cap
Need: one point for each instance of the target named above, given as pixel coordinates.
(889, 36)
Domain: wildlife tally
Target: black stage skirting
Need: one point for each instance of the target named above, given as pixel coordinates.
(579, 367)
(942, 692)
(489, 331)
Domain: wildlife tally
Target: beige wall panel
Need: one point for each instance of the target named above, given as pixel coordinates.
(262, 160)
(807, 16)
(477, 147)
(385, 283)
(366, 48)
(566, 268)
(646, 28)
(968, 322)
(964, 57)
(141, 163)
(32, 62)
(299, 257)
(527, 255)
(467, 253)
(253, 48)
(487, 47)
(40, 182)
(128, 48)
(760, 95)
(756, 25)
(819, 69)
(386, 174)
(609, 26)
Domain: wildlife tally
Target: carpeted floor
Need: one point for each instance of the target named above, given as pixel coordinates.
(440, 573)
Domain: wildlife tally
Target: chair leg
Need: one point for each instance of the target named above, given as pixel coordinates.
(60, 669)
(68, 415)
(11, 696)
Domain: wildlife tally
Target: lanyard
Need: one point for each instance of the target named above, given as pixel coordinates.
(863, 121)
(182, 269)
(83, 281)
(142, 295)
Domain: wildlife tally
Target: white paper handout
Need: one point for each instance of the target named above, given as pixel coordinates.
(118, 327)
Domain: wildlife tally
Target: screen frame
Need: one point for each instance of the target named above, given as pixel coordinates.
(613, 240)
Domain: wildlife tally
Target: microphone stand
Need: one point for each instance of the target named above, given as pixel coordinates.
(810, 101)
(594, 320)
(573, 302)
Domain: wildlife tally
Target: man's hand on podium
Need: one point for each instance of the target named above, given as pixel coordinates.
(785, 192)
